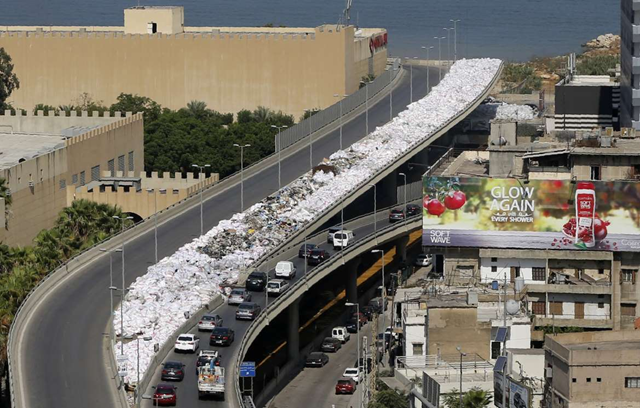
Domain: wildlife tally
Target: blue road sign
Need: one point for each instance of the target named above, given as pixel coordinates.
(248, 369)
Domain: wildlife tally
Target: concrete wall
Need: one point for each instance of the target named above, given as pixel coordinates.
(612, 167)
(229, 71)
(39, 123)
(452, 327)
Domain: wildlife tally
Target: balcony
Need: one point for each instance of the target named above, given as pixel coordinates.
(560, 321)
(635, 63)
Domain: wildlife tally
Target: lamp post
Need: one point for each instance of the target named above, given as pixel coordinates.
(375, 211)
(310, 139)
(462, 355)
(122, 220)
(155, 217)
(405, 199)
(448, 30)
(341, 97)
(439, 57)
(427, 49)
(137, 390)
(201, 168)
(384, 298)
(366, 106)
(364, 363)
(241, 173)
(455, 39)
(111, 281)
(278, 147)
(406, 61)
(391, 69)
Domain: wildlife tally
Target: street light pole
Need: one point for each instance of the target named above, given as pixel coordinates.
(111, 287)
(155, 218)
(310, 139)
(201, 168)
(375, 212)
(341, 97)
(390, 93)
(360, 369)
(406, 59)
(439, 57)
(448, 45)
(384, 300)
(455, 39)
(278, 144)
(427, 48)
(405, 199)
(462, 355)
(122, 220)
(366, 106)
(241, 173)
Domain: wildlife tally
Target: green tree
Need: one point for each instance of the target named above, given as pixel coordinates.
(309, 113)
(389, 399)
(597, 64)
(8, 79)
(474, 398)
(521, 78)
(150, 109)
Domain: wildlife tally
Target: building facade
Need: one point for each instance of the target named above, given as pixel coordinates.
(229, 68)
(630, 63)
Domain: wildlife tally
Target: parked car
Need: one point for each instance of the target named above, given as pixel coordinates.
(209, 322)
(256, 281)
(316, 359)
(341, 334)
(345, 386)
(361, 316)
(239, 295)
(330, 345)
(423, 260)
(352, 325)
(248, 310)
(342, 239)
(354, 373)
(187, 342)
(305, 250)
(330, 233)
(413, 210)
(396, 215)
(205, 357)
(276, 287)
(172, 371)
(376, 304)
(285, 269)
(317, 256)
(360, 363)
(368, 312)
(221, 336)
(165, 395)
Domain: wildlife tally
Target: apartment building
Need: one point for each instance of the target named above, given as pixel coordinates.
(630, 63)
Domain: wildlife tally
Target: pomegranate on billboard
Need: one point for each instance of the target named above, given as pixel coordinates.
(536, 214)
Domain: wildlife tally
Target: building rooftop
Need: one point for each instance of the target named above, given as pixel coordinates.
(605, 345)
(16, 147)
(589, 80)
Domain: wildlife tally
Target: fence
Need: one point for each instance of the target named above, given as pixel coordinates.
(414, 192)
(332, 113)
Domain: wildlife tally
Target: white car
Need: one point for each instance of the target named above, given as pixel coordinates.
(276, 287)
(343, 239)
(423, 260)
(341, 334)
(187, 342)
(354, 373)
(285, 269)
(209, 322)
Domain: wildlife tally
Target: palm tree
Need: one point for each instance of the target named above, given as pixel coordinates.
(262, 114)
(474, 398)
(197, 108)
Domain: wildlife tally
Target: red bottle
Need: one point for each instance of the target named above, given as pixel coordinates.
(585, 214)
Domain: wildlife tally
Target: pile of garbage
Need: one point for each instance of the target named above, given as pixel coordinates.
(159, 302)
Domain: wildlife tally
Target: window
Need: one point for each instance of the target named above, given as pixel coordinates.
(111, 166)
(631, 382)
(63, 184)
(496, 349)
(539, 274)
(598, 379)
(538, 308)
(574, 380)
(417, 349)
(588, 379)
(494, 259)
(600, 296)
(95, 173)
(600, 305)
(595, 172)
(121, 163)
(628, 309)
(74, 179)
(82, 178)
(131, 161)
(494, 268)
(555, 308)
(628, 275)
(601, 271)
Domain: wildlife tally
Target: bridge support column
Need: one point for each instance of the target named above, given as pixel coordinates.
(293, 335)
(401, 247)
(388, 191)
(352, 280)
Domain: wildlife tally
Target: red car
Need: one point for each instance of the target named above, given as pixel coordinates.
(165, 395)
(363, 319)
(345, 386)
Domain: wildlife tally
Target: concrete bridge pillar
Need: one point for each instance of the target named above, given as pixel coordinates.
(352, 280)
(293, 335)
(401, 247)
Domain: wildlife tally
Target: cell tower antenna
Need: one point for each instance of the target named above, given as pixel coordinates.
(347, 12)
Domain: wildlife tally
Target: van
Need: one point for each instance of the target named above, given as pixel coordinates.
(330, 233)
(342, 239)
(285, 269)
(341, 334)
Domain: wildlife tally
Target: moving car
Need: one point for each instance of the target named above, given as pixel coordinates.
(341, 334)
(210, 381)
(423, 260)
(353, 373)
(276, 287)
(316, 359)
(317, 256)
(238, 296)
(342, 239)
(413, 210)
(187, 342)
(256, 281)
(330, 233)
(248, 310)
(285, 269)
(206, 356)
(221, 336)
(305, 250)
(396, 215)
(172, 371)
(165, 395)
(209, 322)
(330, 345)
(345, 386)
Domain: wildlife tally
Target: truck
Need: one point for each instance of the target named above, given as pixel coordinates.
(210, 381)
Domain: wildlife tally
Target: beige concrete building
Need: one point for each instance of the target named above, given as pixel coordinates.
(229, 68)
(42, 156)
(593, 370)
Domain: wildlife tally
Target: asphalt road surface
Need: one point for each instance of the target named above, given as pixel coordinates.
(62, 352)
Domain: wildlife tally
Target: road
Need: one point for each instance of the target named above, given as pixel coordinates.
(62, 352)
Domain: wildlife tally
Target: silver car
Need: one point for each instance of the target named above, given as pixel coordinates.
(238, 296)
(209, 322)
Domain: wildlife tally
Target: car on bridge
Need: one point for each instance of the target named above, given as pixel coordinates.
(305, 250)
(318, 256)
(205, 358)
(172, 371)
(413, 210)
(345, 386)
(256, 281)
(239, 295)
(248, 311)
(222, 336)
(285, 269)
(187, 342)
(330, 233)
(209, 322)
(276, 287)
(316, 359)
(165, 395)
(342, 239)
(395, 215)
(330, 345)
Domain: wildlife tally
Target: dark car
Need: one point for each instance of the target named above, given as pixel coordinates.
(413, 210)
(248, 310)
(330, 345)
(345, 386)
(360, 363)
(330, 233)
(317, 256)
(172, 371)
(363, 319)
(368, 312)
(352, 325)
(316, 359)
(165, 395)
(221, 336)
(256, 281)
(305, 250)
(376, 304)
(396, 215)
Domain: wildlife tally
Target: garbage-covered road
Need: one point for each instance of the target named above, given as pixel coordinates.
(62, 353)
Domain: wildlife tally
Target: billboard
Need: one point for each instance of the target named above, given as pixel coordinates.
(536, 214)
(518, 394)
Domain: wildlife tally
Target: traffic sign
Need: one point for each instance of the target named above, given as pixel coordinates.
(248, 369)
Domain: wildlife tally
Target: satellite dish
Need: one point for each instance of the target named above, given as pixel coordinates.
(513, 307)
